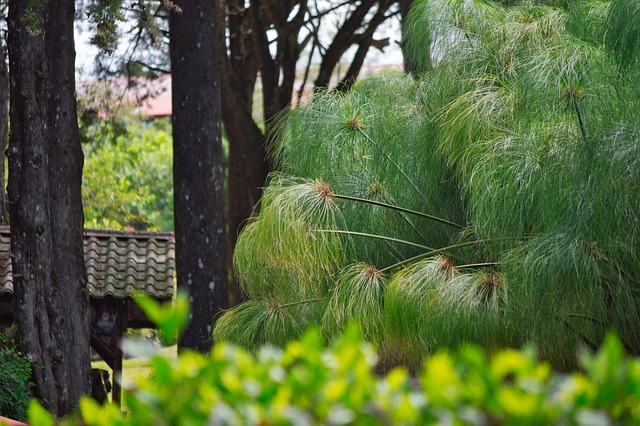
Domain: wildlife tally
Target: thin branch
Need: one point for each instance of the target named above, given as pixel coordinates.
(325, 12)
(151, 67)
(342, 41)
(307, 69)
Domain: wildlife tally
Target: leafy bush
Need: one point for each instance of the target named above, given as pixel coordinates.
(307, 383)
(127, 178)
(15, 379)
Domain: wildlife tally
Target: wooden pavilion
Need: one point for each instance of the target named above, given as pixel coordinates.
(119, 264)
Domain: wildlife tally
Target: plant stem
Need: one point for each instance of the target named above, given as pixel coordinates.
(593, 346)
(412, 225)
(402, 172)
(302, 302)
(398, 208)
(440, 250)
(376, 236)
(429, 253)
(476, 265)
(582, 129)
(587, 317)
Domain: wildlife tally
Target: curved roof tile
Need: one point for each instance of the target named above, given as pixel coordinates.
(119, 263)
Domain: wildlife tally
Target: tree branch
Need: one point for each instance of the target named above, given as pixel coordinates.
(366, 41)
(341, 42)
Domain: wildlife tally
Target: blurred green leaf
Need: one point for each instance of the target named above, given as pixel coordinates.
(308, 382)
(38, 415)
(170, 318)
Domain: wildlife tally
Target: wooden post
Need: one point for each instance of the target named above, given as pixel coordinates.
(121, 327)
(103, 350)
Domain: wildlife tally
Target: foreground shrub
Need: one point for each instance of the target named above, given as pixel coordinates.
(308, 384)
(15, 379)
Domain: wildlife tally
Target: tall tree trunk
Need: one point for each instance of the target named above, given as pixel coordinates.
(51, 304)
(4, 129)
(201, 247)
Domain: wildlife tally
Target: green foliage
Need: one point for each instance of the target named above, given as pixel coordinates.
(306, 383)
(38, 415)
(32, 16)
(357, 297)
(105, 15)
(296, 208)
(622, 37)
(127, 178)
(170, 318)
(259, 322)
(496, 195)
(15, 379)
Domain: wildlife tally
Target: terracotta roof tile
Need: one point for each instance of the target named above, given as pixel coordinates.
(119, 263)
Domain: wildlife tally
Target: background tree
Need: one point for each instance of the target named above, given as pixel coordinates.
(267, 42)
(50, 302)
(128, 177)
(200, 226)
(268, 39)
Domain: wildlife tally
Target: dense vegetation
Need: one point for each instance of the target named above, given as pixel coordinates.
(127, 176)
(307, 383)
(15, 378)
(493, 199)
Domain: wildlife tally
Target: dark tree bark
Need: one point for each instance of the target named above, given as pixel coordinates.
(200, 226)
(247, 166)
(45, 169)
(4, 129)
(409, 64)
(405, 6)
(343, 39)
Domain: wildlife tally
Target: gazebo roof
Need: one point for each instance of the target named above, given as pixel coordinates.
(119, 263)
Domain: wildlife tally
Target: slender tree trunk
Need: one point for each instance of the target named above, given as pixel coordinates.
(409, 63)
(247, 167)
(45, 169)
(201, 246)
(247, 164)
(405, 6)
(248, 170)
